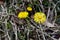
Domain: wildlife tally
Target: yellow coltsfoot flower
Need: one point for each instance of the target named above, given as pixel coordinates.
(39, 17)
(23, 14)
(29, 8)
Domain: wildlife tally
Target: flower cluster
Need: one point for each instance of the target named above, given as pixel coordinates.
(39, 17)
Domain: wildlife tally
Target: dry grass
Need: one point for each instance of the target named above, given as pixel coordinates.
(12, 28)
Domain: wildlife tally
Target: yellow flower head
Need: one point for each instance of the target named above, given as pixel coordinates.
(23, 14)
(39, 17)
(29, 8)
